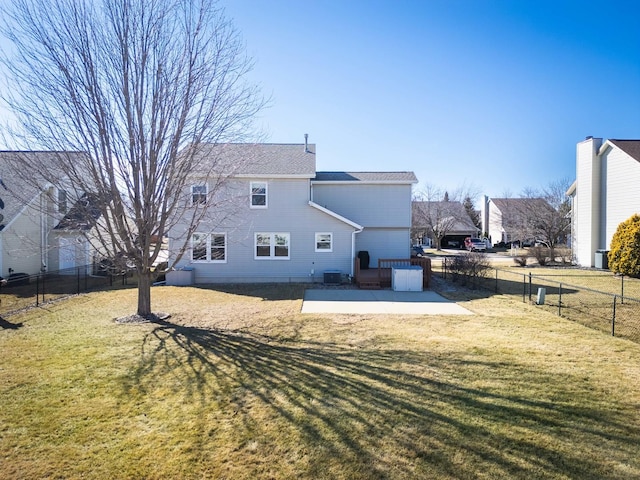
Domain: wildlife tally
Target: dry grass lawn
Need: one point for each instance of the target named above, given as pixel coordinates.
(238, 384)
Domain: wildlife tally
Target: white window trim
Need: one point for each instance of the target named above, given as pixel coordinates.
(266, 194)
(208, 245)
(206, 194)
(324, 250)
(272, 246)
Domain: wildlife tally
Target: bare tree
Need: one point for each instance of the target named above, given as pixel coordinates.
(435, 213)
(137, 86)
(549, 217)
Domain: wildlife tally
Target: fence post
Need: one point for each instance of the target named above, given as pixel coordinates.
(37, 290)
(78, 280)
(524, 288)
(613, 320)
(496, 280)
(529, 286)
(560, 300)
(44, 290)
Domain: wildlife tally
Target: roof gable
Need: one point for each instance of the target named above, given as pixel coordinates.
(16, 190)
(82, 216)
(630, 147)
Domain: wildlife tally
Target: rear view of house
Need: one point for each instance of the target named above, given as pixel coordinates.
(279, 220)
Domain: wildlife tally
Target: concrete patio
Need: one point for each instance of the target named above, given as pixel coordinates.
(379, 302)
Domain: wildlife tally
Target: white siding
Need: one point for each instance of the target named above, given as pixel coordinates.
(586, 205)
(622, 192)
(21, 244)
(496, 232)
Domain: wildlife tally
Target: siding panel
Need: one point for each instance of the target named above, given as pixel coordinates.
(368, 205)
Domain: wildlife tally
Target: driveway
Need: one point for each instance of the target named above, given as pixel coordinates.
(379, 301)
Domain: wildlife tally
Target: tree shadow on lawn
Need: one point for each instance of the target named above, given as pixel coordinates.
(373, 413)
(8, 325)
(265, 291)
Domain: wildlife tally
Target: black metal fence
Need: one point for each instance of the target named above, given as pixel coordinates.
(22, 291)
(617, 314)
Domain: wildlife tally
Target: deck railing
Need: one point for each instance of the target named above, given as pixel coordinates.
(381, 277)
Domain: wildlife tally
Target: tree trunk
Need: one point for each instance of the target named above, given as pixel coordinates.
(144, 293)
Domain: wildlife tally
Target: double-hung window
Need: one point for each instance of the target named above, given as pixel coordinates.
(272, 246)
(198, 194)
(209, 247)
(62, 201)
(324, 242)
(258, 195)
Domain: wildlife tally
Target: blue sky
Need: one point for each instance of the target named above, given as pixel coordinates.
(490, 94)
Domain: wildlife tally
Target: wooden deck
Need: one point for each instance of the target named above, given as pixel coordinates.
(380, 277)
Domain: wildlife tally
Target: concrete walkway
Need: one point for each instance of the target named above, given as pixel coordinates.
(379, 301)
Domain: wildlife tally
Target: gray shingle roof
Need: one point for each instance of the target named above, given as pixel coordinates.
(82, 215)
(268, 159)
(366, 177)
(630, 147)
(463, 222)
(505, 204)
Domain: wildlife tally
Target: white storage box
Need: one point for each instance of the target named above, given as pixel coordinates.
(180, 278)
(406, 279)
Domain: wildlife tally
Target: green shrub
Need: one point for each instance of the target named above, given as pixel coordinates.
(624, 255)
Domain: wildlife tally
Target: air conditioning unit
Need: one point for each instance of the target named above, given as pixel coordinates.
(332, 277)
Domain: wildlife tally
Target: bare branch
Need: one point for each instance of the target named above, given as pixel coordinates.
(138, 86)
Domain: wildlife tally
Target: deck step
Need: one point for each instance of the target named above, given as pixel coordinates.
(369, 285)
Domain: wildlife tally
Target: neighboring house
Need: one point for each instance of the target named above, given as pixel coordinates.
(606, 192)
(72, 236)
(505, 220)
(28, 216)
(289, 223)
(449, 217)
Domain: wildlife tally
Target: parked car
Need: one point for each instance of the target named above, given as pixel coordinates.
(475, 244)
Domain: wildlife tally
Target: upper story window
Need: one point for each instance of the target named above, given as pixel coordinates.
(209, 247)
(324, 242)
(62, 201)
(272, 246)
(198, 194)
(258, 194)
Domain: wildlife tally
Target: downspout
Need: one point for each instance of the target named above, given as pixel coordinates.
(43, 230)
(353, 248)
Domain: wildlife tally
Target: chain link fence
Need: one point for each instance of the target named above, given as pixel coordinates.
(611, 308)
(23, 291)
